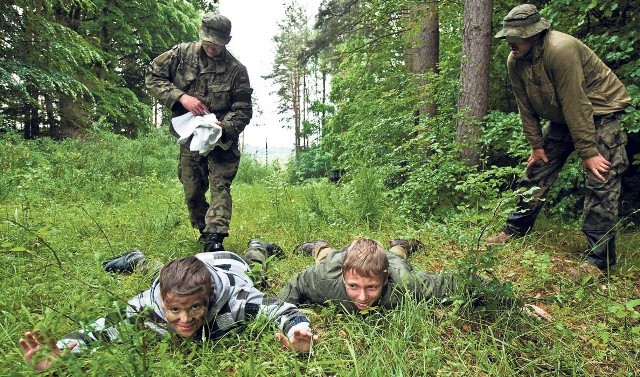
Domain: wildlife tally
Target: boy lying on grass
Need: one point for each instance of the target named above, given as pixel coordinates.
(199, 297)
(365, 275)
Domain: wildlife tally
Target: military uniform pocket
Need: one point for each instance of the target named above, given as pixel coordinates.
(184, 80)
(220, 96)
(611, 135)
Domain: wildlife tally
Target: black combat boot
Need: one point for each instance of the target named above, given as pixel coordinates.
(213, 242)
(271, 248)
(124, 263)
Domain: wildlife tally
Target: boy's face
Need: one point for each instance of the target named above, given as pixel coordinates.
(363, 291)
(185, 314)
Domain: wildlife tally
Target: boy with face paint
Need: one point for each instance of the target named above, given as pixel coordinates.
(198, 297)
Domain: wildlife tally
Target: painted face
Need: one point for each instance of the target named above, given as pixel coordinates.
(363, 291)
(186, 314)
(520, 47)
(211, 49)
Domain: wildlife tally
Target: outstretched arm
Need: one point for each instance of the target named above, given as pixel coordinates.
(33, 342)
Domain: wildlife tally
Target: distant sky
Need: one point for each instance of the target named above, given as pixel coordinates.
(254, 23)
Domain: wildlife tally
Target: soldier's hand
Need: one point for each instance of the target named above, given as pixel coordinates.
(598, 165)
(537, 154)
(193, 105)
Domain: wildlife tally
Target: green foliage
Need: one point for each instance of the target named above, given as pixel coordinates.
(81, 167)
(251, 171)
(313, 162)
(58, 239)
(502, 137)
(66, 65)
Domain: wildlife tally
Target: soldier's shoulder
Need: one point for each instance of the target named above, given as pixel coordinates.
(233, 61)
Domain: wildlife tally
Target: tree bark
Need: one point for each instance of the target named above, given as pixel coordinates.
(423, 53)
(474, 76)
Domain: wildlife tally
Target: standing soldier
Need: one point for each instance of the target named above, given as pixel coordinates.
(556, 77)
(203, 77)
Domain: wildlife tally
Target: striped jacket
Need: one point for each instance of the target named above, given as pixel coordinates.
(237, 301)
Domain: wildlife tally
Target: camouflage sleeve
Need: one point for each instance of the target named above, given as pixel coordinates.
(530, 120)
(160, 75)
(241, 111)
(284, 314)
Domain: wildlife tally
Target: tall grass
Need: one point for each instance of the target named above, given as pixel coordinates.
(65, 207)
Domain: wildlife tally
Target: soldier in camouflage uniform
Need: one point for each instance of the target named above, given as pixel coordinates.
(203, 77)
(556, 77)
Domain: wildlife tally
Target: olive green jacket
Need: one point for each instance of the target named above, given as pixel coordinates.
(563, 81)
(221, 83)
(323, 284)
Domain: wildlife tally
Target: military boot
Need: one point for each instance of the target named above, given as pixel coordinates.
(308, 247)
(124, 263)
(404, 247)
(213, 242)
(271, 248)
(258, 251)
(586, 273)
(203, 236)
(499, 239)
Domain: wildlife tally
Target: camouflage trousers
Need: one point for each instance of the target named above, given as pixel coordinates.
(214, 172)
(600, 213)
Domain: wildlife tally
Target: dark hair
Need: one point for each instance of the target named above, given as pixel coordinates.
(367, 257)
(186, 276)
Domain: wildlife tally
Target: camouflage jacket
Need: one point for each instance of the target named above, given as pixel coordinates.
(565, 82)
(221, 83)
(323, 284)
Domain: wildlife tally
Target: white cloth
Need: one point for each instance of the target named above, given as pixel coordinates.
(206, 133)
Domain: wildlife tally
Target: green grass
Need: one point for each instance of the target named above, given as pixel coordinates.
(66, 207)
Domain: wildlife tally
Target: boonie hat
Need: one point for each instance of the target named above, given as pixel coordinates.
(215, 28)
(523, 21)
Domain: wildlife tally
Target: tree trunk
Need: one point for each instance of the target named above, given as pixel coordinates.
(295, 99)
(474, 76)
(31, 128)
(423, 53)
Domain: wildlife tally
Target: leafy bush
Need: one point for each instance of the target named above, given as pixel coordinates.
(314, 162)
(100, 164)
(252, 171)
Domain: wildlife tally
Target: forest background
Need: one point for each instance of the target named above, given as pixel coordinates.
(405, 103)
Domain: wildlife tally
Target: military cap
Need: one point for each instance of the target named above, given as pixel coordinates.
(215, 28)
(523, 21)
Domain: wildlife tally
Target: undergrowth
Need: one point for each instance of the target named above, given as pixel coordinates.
(65, 207)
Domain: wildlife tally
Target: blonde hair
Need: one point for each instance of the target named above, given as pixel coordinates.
(366, 257)
(186, 276)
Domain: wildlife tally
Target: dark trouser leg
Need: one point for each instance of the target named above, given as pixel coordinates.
(192, 172)
(602, 198)
(255, 255)
(223, 166)
(558, 145)
(320, 253)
